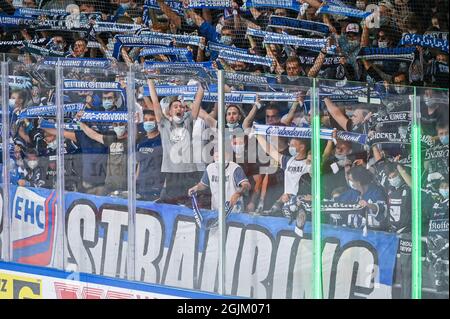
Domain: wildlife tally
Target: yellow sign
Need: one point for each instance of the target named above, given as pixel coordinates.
(19, 287)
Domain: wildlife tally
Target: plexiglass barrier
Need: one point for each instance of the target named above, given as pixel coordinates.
(236, 183)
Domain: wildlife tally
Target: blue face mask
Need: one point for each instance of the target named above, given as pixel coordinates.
(444, 192)
(444, 139)
(149, 126)
(12, 103)
(226, 39)
(125, 6)
(108, 104)
(29, 128)
(292, 151)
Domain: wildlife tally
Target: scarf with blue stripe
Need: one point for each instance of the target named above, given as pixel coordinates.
(300, 25)
(427, 41)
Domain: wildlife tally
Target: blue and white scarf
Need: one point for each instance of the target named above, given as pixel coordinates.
(392, 117)
(403, 54)
(287, 4)
(15, 22)
(436, 153)
(171, 90)
(18, 43)
(304, 132)
(210, 4)
(19, 82)
(115, 117)
(39, 51)
(101, 26)
(244, 57)
(427, 41)
(138, 41)
(185, 39)
(49, 110)
(343, 11)
(244, 97)
(149, 65)
(345, 94)
(78, 62)
(306, 43)
(300, 25)
(31, 12)
(182, 54)
(218, 47)
(67, 126)
(438, 35)
(75, 85)
(257, 33)
(310, 60)
(248, 79)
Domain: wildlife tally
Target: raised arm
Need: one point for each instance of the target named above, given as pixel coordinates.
(405, 175)
(67, 134)
(251, 115)
(330, 147)
(91, 133)
(173, 17)
(210, 121)
(155, 100)
(195, 107)
(269, 150)
(290, 116)
(336, 113)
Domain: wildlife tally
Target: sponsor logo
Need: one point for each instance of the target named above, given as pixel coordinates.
(19, 287)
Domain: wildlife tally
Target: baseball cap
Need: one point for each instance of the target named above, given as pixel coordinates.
(352, 28)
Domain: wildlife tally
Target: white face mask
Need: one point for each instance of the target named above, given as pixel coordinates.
(400, 89)
(395, 182)
(120, 130)
(12, 103)
(292, 151)
(52, 145)
(382, 44)
(177, 119)
(351, 184)
(238, 149)
(226, 39)
(232, 125)
(219, 28)
(32, 164)
(341, 159)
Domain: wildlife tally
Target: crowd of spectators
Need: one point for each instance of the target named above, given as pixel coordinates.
(265, 175)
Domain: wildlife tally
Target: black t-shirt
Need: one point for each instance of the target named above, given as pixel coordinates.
(94, 159)
(149, 156)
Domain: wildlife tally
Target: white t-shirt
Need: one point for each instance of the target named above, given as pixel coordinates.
(234, 176)
(293, 171)
(198, 142)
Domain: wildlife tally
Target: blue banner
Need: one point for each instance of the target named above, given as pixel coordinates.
(172, 250)
(427, 41)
